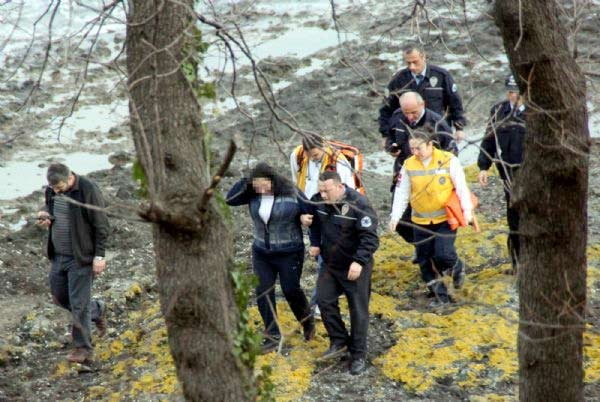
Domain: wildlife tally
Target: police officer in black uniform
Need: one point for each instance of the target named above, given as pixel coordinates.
(344, 233)
(411, 115)
(503, 142)
(433, 83)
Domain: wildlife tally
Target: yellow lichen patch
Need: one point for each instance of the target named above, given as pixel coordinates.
(593, 276)
(390, 272)
(461, 346)
(492, 398)
(489, 286)
(115, 397)
(97, 392)
(593, 253)
(385, 306)
(291, 374)
(591, 346)
(133, 291)
(62, 369)
(140, 359)
(476, 249)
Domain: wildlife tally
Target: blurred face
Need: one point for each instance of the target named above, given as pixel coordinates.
(513, 97)
(316, 154)
(331, 191)
(412, 109)
(420, 149)
(262, 185)
(415, 61)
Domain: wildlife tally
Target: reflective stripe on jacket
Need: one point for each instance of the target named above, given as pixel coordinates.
(328, 162)
(431, 187)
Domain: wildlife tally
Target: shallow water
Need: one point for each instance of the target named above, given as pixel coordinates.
(20, 178)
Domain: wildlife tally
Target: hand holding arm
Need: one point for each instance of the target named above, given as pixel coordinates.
(306, 219)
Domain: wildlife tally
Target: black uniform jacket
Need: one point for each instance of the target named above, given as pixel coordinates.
(400, 134)
(503, 140)
(437, 89)
(346, 231)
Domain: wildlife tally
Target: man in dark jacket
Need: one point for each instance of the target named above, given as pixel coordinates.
(344, 233)
(433, 83)
(412, 115)
(503, 143)
(76, 249)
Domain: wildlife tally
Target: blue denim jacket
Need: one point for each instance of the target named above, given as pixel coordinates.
(283, 231)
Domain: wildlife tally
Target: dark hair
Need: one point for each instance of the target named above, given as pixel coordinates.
(280, 185)
(412, 46)
(312, 141)
(56, 173)
(425, 133)
(330, 175)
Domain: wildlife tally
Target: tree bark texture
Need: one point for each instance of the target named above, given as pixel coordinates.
(551, 195)
(192, 267)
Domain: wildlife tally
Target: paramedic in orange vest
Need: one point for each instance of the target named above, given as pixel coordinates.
(426, 181)
(317, 157)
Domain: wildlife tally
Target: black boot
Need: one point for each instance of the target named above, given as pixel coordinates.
(309, 328)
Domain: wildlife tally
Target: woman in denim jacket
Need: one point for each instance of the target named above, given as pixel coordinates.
(275, 206)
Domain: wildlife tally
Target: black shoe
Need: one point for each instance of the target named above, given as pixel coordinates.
(358, 366)
(269, 344)
(440, 301)
(309, 329)
(458, 279)
(334, 351)
(101, 320)
(413, 258)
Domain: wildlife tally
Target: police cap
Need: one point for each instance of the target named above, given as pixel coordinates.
(510, 84)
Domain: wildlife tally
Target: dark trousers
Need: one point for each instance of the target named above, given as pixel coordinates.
(437, 255)
(71, 287)
(331, 285)
(289, 267)
(405, 226)
(513, 242)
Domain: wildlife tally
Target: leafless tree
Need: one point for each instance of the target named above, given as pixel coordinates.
(192, 243)
(551, 195)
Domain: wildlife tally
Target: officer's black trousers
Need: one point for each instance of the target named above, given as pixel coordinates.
(289, 267)
(512, 216)
(331, 285)
(436, 255)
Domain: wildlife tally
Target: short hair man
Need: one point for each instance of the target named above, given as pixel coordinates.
(76, 248)
(503, 142)
(344, 233)
(435, 85)
(413, 115)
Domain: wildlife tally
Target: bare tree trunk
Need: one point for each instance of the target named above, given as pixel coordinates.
(192, 262)
(551, 195)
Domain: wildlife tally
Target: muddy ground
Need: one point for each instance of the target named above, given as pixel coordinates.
(339, 98)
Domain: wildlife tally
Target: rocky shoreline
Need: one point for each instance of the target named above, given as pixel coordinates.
(332, 91)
